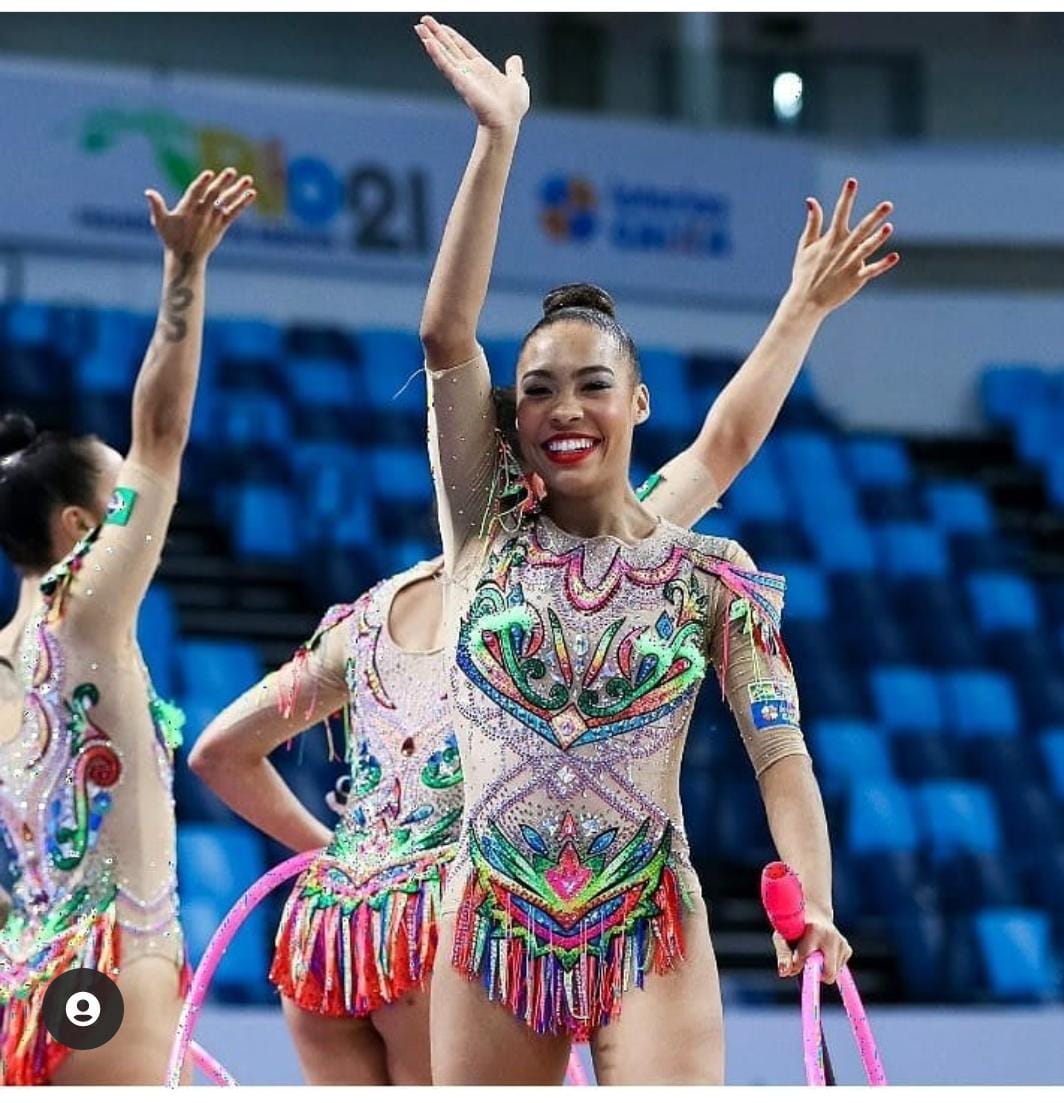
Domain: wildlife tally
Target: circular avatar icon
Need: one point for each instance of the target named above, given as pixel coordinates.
(83, 1009)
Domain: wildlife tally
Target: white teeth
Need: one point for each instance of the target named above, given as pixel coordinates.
(570, 445)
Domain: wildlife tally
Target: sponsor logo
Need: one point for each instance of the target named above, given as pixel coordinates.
(302, 201)
(641, 218)
(570, 208)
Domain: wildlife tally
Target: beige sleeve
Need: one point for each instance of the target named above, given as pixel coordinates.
(313, 683)
(307, 689)
(108, 588)
(682, 491)
(747, 650)
(464, 455)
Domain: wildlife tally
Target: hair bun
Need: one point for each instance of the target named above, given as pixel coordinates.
(16, 431)
(579, 296)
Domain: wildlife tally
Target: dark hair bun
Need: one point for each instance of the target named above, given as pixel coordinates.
(16, 431)
(579, 296)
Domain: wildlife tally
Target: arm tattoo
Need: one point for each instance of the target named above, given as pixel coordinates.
(177, 300)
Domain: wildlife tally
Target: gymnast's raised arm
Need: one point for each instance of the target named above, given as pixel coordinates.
(462, 419)
(829, 269)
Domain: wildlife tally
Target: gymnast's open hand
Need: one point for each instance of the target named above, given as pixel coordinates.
(210, 205)
(831, 267)
(497, 97)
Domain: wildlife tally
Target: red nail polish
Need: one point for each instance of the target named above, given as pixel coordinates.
(851, 184)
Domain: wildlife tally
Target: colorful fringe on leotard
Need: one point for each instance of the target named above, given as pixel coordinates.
(560, 945)
(348, 949)
(29, 1055)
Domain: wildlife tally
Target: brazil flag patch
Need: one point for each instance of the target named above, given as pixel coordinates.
(120, 507)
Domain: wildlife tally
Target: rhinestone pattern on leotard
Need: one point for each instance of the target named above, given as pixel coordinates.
(576, 669)
(360, 926)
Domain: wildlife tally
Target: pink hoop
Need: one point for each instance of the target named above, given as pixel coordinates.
(212, 957)
(217, 946)
(812, 1032)
(211, 1067)
(862, 1029)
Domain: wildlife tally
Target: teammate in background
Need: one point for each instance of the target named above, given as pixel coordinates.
(86, 745)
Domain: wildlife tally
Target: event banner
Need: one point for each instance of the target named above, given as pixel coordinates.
(363, 183)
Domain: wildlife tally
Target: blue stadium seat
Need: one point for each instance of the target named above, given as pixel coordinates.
(248, 419)
(912, 550)
(907, 699)
(216, 672)
(388, 359)
(981, 879)
(249, 339)
(157, 633)
(195, 803)
(502, 354)
(1002, 761)
(956, 507)
(317, 340)
(808, 456)
(1017, 954)
(716, 522)
(756, 495)
(842, 544)
(880, 818)
(775, 541)
(664, 374)
(264, 522)
(27, 325)
(936, 621)
(242, 970)
(321, 382)
(921, 941)
(697, 793)
(711, 371)
(401, 475)
(1052, 743)
(331, 483)
(1008, 389)
(878, 462)
(217, 862)
(863, 617)
(741, 832)
(1055, 479)
(106, 372)
(807, 595)
(980, 703)
(847, 752)
(1038, 432)
(894, 882)
(355, 529)
(1045, 884)
(956, 817)
(816, 497)
(119, 335)
(827, 684)
(1002, 601)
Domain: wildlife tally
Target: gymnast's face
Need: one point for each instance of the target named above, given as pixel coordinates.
(577, 407)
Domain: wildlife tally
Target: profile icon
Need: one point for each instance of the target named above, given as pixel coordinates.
(83, 1009)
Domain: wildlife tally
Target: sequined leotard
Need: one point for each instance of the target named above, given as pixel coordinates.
(575, 667)
(360, 927)
(86, 784)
